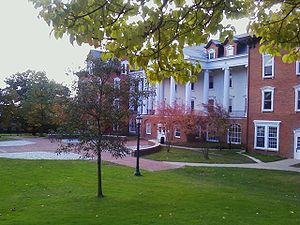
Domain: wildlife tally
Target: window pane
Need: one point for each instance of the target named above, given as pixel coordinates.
(260, 136)
(272, 140)
(267, 100)
(267, 60)
(298, 101)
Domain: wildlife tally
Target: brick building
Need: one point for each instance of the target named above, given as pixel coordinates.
(261, 94)
(273, 121)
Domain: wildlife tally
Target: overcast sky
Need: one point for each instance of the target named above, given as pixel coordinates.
(25, 43)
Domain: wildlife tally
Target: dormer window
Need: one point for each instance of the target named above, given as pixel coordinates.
(211, 54)
(125, 67)
(229, 50)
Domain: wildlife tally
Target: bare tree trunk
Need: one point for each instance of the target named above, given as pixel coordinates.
(205, 153)
(100, 193)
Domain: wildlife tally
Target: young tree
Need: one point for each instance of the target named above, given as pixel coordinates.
(157, 31)
(170, 117)
(217, 122)
(91, 114)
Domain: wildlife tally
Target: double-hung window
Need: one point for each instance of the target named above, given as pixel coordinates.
(298, 67)
(267, 99)
(177, 132)
(266, 135)
(229, 50)
(117, 83)
(297, 98)
(211, 54)
(268, 66)
(148, 128)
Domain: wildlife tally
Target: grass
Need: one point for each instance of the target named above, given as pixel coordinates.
(265, 158)
(202, 144)
(6, 138)
(63, 192)
(21, 135)
(215, 156)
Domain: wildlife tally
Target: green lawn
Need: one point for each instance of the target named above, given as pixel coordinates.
(63, 192)
(215, 156)
(265, 158)
(6, 138)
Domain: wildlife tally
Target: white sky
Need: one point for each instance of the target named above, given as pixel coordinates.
(25, 43)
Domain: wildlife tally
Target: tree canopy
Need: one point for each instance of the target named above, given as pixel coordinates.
(153, 33)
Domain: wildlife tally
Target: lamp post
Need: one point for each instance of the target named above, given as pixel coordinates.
(138, 120)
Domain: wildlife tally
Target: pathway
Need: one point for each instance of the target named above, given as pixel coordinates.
(42, 148)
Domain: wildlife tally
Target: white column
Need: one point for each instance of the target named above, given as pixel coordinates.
(205, 87)
(172, 91)
(188, 95)
(226, 88)
(157, 95)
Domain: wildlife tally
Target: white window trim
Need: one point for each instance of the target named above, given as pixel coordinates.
(263, 67)
(148, 128)
(266, 124)
(176, 136)
(297, 67)
(228, 134)
(117, 83)
(211, 51)
(228, 47)
(297, 89)
(263, 90)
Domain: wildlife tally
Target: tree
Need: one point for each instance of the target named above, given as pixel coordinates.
(170, 117)
(217, 122)
(152, 34)
(32, 101)
(42, 103)
(97, 107)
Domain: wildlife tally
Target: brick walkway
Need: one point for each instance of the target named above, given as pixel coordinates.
(44, 145)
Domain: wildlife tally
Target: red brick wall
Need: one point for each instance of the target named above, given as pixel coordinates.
(284, 80)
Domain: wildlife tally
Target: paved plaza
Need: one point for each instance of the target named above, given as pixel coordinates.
(43, 148)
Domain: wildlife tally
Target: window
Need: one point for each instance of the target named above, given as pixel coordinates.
(116, 127)
(177, 133)
(266, 135)
(267, 99)
(211, 136)
(192, 104)
(298, 67)
(229, 50)
(123, 68)
(192, 86)
(117, 103)
(148, 128)
(211, 82)
(210, 104)
(198, 131)
(230, 105)
(211, 54)
(117, 83)
(132, 127)
(175, 87)
(297, 98)
(268, 66)
(234, 134)
(230, 81)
